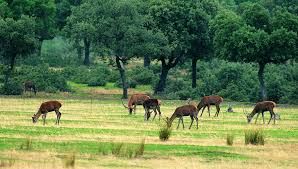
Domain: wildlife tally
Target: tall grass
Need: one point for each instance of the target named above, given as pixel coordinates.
(254, 137)
(27, 145)
(230, 139)
(164, 132)
(70, 160)
(123, 149)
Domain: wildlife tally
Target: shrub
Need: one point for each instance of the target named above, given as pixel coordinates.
(141, 75)
(12, 87)
(97, 82)
(140, 149)
(130, 83)
(164, 132)
(254, 137)
(230, 139)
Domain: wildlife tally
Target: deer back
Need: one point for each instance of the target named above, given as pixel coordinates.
(137, 99)
(49, 106)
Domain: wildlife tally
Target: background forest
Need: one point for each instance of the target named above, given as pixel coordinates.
(243, 50)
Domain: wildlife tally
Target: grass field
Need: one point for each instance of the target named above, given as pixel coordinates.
(90, 125)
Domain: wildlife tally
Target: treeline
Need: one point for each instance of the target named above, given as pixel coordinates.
(176, 33)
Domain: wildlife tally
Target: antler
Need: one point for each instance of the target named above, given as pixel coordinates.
(124, 104)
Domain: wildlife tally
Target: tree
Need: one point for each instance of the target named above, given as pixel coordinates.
(43, 12)
(80, 27)
(17, 39)
(252, 38)
(179, 22)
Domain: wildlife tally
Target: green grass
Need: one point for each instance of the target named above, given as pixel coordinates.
(90, 128)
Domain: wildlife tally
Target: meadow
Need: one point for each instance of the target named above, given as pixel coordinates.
(90, 128)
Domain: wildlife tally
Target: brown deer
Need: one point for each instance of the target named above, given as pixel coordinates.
(206, 101)
(153, 104)
(261, 107)
(48, 107)
(134, 100)
(186, 110)
(29, 86)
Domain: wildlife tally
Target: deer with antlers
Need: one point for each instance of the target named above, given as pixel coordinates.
(153, 104)
(45, 108)
(261, 107)
(206, 101)
(186, 110)
(134, 100)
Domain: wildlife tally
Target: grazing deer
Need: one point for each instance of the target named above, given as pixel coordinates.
(29, 86)
(134, 100)
(206, 101)
(48, 107)
(153, 104)
(261, 107)
(186, 110)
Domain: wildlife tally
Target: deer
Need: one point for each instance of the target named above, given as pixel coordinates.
(153, 104)
(134, 100)
(186, 110)
(206, 101)
(261, 107)
(46, 107)
(29, 86)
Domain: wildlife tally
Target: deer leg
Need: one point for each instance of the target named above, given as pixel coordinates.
(263, 117)
(274, 116)
(270, 118)
(58, 114)
(257, 118)
(191, 121)
(44, 116)
(197, 121)
(179, 123)
(134, 108)
(217, 110)
(203, 110)
(154, 114)
(146, 114)
(158, 109)
(208, 109)
(182, 122)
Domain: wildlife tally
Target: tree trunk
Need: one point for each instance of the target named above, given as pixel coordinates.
(263, 94)
(194, 72)
(87, 52)
(121, 69)
(79, 50)
(147, 61)
(162, 81)
(10, 69)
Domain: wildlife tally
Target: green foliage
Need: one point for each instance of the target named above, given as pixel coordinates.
(254, 137)
(97, 81)
(12, 87)
(141, 75)
(130, 82)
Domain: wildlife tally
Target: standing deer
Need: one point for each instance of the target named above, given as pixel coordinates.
(261, 107)
(29, 86)
(206, 101)
(45, 108)
(186, 110)
(153, 104)
(134, 100)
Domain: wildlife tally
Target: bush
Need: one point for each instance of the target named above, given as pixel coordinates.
(141, 75)
(27, 145)
(12, 87)
(254, 137)
(230, 139)
(164, 132)
(97, 82)
(130, 83)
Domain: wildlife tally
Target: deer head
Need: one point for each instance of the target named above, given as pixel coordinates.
(247, 115)
(34, 118)
(129, 108)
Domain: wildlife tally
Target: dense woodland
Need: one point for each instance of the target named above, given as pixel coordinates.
(243, 50)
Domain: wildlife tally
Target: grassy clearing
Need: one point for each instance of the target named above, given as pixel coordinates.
(92, 130)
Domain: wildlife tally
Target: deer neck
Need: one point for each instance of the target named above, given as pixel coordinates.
(200, 105)
(172, 119)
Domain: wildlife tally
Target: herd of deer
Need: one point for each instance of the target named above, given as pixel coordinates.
(154, 104)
